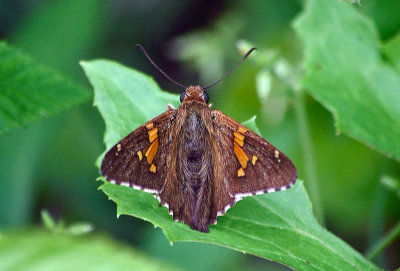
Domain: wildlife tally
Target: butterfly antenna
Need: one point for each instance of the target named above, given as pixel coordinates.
(154, 64)
(234, 68)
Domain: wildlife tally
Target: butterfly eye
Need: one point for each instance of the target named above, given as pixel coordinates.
(183, 94)
(205, 96)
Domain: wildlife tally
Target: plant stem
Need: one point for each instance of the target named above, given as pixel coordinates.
(383, 242)
(310, 174)
(376, 221)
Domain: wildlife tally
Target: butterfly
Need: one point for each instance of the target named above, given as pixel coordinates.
(198, 162)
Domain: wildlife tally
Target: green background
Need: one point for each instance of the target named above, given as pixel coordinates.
(332, 62)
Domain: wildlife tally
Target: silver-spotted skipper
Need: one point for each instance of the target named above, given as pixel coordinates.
(197, 161)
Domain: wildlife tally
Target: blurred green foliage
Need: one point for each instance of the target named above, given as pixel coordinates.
(31, 91)
(35, 249)
(50, 164)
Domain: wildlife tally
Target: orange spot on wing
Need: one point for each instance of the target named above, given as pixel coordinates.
(139, 153)
(241, 172)
(238, 136)
(150, 125)
(151, 152)
(242, 129)
(153, 134)
(253, 160)
(239, 142)
(240, 155)
(153, 168)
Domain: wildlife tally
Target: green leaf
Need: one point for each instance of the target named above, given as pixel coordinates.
(30, 91)
(391, 50)
(47, 220)
(79, 228)
(32, 250)
(251, 124)
(391, 183)
(127, 98)
(346, 74)
(278, 226)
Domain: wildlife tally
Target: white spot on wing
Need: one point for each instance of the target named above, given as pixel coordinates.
(148, 190)
(240, 196)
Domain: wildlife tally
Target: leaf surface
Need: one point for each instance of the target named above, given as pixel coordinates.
(30, 91)
(38, 250)
(347, 74)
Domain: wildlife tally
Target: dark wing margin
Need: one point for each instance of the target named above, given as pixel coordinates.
(126, 163)
(267, 169)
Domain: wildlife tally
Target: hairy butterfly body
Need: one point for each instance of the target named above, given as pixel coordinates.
(198, 161)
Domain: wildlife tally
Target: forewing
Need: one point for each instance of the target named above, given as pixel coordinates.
(139, 159)
(253, 166)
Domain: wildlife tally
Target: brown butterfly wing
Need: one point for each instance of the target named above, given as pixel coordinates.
(267, 169)
(127, 164)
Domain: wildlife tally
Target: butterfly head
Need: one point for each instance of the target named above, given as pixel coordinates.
(194, 93)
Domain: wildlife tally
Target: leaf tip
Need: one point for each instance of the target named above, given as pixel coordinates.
(82, 62)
